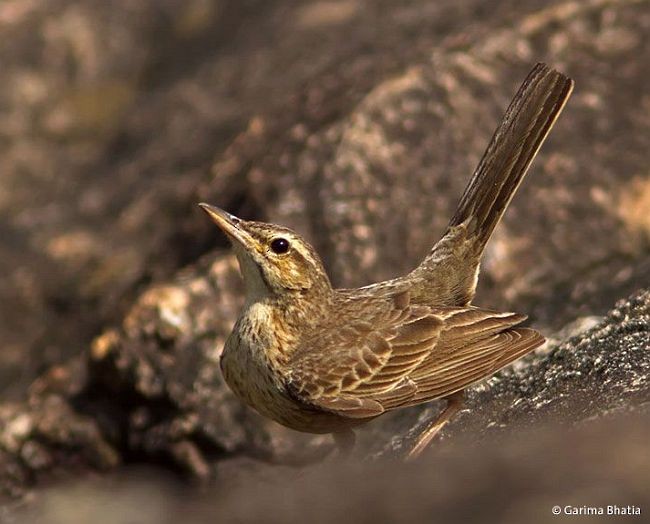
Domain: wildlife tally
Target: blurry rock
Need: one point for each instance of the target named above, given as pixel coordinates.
(46, 438)
(106, 132)
(355, 124)
(518, 477)
(141, 496)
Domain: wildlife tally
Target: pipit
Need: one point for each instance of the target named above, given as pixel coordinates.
(324, 360)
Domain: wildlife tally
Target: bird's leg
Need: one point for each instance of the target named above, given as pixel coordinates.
(454, 405)
(345, 441)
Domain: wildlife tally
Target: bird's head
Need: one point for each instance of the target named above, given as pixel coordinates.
(274, 260)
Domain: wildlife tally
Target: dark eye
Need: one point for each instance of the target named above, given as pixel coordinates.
(280, 246)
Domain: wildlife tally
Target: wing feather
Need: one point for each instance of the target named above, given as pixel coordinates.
(475, 363)
(403, 355)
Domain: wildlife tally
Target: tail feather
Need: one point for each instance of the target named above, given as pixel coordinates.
(448, 274)
(525, 126)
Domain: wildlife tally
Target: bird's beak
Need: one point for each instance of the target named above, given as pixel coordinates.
(230, 225)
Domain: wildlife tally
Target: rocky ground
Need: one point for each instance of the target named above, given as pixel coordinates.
(358, 123)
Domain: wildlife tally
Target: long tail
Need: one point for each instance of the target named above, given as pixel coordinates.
(524, 127)
(449, 272)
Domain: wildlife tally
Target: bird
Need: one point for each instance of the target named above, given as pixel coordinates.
(323, 360)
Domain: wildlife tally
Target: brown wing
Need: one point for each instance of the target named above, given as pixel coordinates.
(361, 367)
(405, 355)
(474, 344)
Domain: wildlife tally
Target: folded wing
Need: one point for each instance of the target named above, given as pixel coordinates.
(402, 355)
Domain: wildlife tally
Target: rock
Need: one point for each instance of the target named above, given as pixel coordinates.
(108, 129)
(518, 476)
(118, 293)
(46, 438)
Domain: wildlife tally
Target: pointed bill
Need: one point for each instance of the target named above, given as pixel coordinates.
(230, 225)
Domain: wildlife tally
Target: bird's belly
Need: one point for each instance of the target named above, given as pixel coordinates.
(253, 381)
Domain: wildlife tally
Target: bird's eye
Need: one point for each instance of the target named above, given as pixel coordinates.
(280, 246)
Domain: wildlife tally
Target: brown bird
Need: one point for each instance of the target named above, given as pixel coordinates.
(324, 360)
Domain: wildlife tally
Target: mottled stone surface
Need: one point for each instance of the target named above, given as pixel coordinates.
(358, 123)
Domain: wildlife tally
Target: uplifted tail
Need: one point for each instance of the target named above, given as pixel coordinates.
(525, 125)
(449, 273)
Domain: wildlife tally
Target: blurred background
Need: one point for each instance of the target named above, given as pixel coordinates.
(355, 122)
